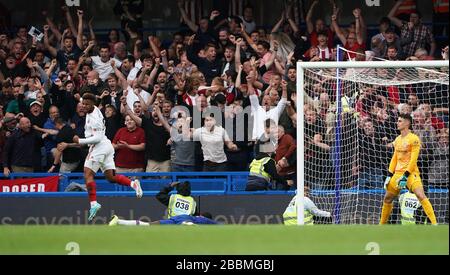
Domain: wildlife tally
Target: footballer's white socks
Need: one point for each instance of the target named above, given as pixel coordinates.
(132, 223)
(93, 203)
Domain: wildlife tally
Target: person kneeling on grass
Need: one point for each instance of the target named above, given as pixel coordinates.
(203, 219)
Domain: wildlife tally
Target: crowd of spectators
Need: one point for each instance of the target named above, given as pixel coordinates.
(235, 76)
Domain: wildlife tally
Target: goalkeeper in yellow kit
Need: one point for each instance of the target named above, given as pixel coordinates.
(404, 171)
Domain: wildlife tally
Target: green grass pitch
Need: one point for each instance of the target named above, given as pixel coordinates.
(225, 240)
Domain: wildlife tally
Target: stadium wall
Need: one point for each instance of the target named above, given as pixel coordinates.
(229, 209)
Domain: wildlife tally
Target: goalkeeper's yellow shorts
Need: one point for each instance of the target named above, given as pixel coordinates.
(414, 182)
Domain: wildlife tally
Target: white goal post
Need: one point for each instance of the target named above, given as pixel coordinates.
(356, 77)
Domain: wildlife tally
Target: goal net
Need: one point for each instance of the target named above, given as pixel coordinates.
(347, 121)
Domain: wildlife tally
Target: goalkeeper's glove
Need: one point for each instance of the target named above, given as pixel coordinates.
(386, 182)
(401, 183)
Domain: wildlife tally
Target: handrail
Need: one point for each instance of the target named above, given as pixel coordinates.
(227, 190)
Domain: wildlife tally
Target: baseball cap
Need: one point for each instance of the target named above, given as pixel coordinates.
(36, 102)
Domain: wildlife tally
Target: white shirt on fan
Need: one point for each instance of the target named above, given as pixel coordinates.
(260, 115)
(133, 74)
(132, 98)
(249, 26)
(212, 143)
(104, 69)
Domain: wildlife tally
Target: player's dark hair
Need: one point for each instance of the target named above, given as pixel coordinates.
(407, 117)
(184, 188)
(89, 96)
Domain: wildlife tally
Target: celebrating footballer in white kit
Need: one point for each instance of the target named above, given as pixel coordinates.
(101, 154)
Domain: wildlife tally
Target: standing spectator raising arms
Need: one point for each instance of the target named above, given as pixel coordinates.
(414, 34)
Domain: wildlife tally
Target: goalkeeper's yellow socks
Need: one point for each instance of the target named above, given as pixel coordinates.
(428, 208)
(386, 212)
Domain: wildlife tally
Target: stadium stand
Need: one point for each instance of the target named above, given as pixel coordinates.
(229, 63)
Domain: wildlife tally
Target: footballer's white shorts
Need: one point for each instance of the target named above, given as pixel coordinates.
(101, 156)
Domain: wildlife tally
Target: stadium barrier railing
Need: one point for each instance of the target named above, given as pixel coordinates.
(203, 184)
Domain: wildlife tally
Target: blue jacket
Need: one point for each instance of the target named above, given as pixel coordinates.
(50, 141)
